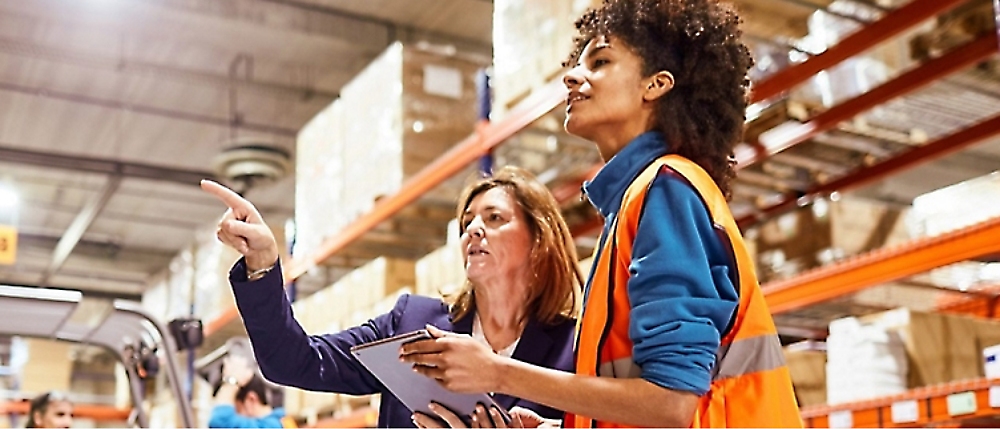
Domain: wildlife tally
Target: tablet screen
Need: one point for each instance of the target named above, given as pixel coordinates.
(416, 391)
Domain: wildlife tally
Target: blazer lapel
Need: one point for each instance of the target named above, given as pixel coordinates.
(463, 325)
(532, 348)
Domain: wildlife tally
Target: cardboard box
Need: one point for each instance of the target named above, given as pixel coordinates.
(956, 206)
(530, 41)
(49, 366)
(808, 370)
(356, 296)
(864, 360)
(940, 347)
(440, 272)
(400, 113)
(823, 233)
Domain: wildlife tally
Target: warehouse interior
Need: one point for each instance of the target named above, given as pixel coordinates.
(867, 184)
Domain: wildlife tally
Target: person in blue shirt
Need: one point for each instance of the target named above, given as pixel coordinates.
(242, 400)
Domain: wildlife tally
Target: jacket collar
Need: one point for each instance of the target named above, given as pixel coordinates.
(532, 348)
(464, 325)
(608, 187)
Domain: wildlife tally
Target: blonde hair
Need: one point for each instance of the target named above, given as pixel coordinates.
(555, 290)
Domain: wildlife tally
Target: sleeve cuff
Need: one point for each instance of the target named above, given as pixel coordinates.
(659, 378)
(238, 274)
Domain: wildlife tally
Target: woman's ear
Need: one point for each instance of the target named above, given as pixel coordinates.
(658, 85)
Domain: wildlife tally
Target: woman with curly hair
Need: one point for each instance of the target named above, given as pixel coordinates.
(675, 331)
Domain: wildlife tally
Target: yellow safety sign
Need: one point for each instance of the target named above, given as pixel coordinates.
(8, 245)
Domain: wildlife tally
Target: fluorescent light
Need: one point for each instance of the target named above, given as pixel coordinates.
(9, 199)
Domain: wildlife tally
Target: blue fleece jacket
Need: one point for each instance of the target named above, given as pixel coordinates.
(681, 287)
(225, 416)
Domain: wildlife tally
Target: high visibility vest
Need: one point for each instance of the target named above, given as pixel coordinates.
(751, 385)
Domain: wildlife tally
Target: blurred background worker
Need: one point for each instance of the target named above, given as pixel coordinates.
(50, 410)
(242, 400)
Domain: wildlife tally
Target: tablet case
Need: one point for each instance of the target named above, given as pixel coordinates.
(416, 391)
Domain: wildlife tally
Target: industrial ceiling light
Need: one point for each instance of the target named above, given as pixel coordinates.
(251, 163)
(9, 198)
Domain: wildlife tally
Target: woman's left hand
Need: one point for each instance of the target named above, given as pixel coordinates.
(482, 418)
(457, 362)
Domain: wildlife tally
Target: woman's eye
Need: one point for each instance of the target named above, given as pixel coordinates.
(599, 62)
(495, 217)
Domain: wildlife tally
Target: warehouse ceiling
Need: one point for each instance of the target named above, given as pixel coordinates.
(111, 110)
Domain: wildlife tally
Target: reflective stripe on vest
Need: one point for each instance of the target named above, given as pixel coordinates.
(747, 356)
(750, 384)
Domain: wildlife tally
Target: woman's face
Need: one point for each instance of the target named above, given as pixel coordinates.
(58, 414)
(606, 90)
(497, 239)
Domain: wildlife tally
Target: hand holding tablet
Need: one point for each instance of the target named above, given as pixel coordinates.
(416, 391)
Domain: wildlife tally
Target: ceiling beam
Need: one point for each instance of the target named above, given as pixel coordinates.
(159, 221)
(99, 250)
(125, 65)
(87, 164)
(88, 283)
(148, 110)
(216, 26)
(80, 225)
(393, 29)
(96, 294)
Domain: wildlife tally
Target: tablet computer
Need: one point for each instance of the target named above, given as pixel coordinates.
(416, 391)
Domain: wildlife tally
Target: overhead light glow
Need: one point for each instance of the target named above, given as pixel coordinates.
(9, 198)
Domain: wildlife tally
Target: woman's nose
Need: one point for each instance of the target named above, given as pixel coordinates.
(572, 78)
(475, 228)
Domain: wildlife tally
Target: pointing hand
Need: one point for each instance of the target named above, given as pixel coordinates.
(243, 229)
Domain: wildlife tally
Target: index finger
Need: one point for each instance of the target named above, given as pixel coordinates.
(226, 195)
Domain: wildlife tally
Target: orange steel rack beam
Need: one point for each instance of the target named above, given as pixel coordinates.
(891, 24)
(956, 59)
(883, 265)
(88, 411)
(912, 80)
(869, 174)
(944, 404)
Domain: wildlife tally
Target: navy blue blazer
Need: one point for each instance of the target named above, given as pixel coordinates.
(289, 356)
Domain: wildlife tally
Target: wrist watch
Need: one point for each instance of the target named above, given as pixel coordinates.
(231, 380)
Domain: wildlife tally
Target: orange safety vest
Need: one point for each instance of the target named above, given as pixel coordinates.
(751, 385)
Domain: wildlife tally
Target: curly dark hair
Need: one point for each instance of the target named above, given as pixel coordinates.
(699, 42)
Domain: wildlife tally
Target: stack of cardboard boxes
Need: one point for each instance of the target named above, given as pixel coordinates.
(403, 111)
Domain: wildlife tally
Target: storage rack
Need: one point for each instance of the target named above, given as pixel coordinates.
(969, 403)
